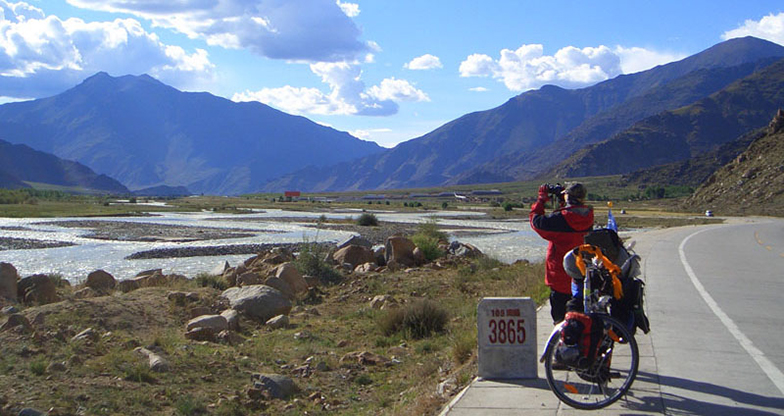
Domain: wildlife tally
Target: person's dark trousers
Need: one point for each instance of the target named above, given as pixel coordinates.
(558, 305)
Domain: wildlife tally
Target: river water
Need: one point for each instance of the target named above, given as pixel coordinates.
(506, 240)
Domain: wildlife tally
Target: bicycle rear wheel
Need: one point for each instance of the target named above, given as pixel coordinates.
(603, 382)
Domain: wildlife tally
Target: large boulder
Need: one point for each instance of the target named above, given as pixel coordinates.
(258, 302)
(355, 240)
(217, 323)
(100, 281)
(288, 273)
(127, 285)
(37, 289)
(150, 278)
(247, 279)
(464, 250)
(14, 321)
(354, 255)
(282, 286)
(400, 252)
(275, 385)
(8, 281)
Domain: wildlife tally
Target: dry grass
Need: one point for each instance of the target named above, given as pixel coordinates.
(106, 377)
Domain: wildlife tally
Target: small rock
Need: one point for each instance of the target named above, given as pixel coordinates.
(355, 240)
(14, 321)
(232, 319)
(197, 311)
(87, 335)
(248, 278)
(100, 281)
(85, 293)
(275, 385)
(220, 269)
(156, 362)
(280, 321)
(382, 301)
(55, 367)
(128, 285)
(201, 334)
(176, 297)
(303, 335)
(8, 281)
(37, 289)
(9, 310)
(215, 322)
(447, 387)
(230, 338)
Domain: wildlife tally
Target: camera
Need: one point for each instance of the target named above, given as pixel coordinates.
(555, 189)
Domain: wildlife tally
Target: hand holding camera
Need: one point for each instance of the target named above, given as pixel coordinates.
(546, 190)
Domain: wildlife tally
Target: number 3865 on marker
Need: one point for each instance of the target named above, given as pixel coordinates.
(506, 327)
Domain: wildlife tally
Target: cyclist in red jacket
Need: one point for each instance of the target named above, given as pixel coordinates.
(564, 228)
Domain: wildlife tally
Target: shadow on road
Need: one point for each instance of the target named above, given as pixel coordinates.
(675, 404)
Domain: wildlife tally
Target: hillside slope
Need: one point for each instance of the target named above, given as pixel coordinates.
(753, 183)
(145, 134)
(21, 163)
(745, 105)
(511, 137)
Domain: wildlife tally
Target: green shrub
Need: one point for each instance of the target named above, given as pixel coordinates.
(415, 320)
(211, 280)
(187, 405)
(310, 262)
(428, 246)
(38, 367)
(139, 373)
(463, 346)
(363, 380)
(429, 228)
(508, 206)
(427, 238)
(367, 219)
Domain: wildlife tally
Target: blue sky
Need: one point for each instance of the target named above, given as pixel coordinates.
(383, 70)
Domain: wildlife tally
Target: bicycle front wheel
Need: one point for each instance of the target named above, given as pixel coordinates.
(606, 379)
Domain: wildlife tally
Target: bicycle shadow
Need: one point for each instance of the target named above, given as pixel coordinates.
(675, 404)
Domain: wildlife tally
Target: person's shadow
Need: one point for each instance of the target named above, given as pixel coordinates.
(746, 403)
(649, 402)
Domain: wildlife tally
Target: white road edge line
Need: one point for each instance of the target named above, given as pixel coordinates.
(770, 369)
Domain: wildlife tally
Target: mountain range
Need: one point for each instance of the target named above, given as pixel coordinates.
(146, 134)
(20, 164)
(532, 133)
(753, 182)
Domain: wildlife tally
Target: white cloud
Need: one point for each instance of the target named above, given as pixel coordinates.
(42, 55)
(770, 27)
(478, 89)
(350, 9)
(396, 90)
(477, 65)
(368, 134)
(309, 30)
(640, 59)
(348, 94)
(424, 62)
(528, 67)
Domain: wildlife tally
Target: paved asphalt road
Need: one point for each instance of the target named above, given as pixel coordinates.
(715, 298)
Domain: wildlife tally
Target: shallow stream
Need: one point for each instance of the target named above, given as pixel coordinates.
(506, 240)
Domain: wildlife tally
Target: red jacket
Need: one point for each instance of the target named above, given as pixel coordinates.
(564, 229)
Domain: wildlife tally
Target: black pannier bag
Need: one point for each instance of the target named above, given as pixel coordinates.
(630, 308)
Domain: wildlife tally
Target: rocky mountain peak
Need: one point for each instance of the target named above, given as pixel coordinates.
(777, 123)
(753, 183)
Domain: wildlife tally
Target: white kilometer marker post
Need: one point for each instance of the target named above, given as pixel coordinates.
(507, 338)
